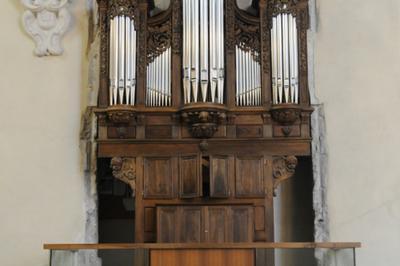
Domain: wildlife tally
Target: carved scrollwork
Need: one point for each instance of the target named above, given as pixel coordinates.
(248, 38)
(158, 39)
(282, 169)
(124, 169)
(122, 8)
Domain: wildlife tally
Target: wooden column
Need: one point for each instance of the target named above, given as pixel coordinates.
(142, 54)
(104, 54)
(266, 55)
(176, 66)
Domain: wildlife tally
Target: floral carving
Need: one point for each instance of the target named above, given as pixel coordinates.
(124, 169)
(282, 169)
(46, 21)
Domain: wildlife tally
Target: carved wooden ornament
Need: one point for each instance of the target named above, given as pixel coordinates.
(282, 169)
(124, 169)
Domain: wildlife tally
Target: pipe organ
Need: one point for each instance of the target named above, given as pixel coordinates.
(203, 107)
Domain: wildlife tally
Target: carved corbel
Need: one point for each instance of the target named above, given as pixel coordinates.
(282, 169)
(46, 21)
(203, 119)
(124, 169)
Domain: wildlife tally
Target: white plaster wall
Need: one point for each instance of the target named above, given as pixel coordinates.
(41, 184)
(357, 71)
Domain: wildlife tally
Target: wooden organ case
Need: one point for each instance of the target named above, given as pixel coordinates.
(203, 107)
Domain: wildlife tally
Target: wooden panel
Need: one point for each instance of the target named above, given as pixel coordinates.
(158, 132)
(166, 225)
(149, 219)
(246, 131)
(219, 182)
(189, 177)
(121, 132)
(286, 131)
(242, 224)
(216, 221)
(249, 177)
(158, 180)
(190, 225)
(206, 257)
(259, 220)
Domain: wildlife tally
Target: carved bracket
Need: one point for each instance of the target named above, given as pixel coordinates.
(286, 114)
(124, 169)
(282, 169)
(121, 115)
(46, 21)
(203, 119)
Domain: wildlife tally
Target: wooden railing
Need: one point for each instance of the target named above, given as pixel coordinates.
(256, 245)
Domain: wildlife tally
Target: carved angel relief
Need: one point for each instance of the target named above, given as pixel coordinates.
(46, 21)
(124, 169)
(282, 169)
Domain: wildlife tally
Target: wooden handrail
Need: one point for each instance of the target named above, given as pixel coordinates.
(256, 245)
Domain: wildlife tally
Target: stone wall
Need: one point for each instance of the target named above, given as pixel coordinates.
(357, 77)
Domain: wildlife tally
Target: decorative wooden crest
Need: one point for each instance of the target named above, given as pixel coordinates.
(124, 169)
(282, 169)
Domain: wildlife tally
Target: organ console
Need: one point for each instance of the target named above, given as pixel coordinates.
(205, 105)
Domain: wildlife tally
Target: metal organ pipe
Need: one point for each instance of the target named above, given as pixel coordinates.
(284, 50)
(122, 71)
(158, 76)
(248, 79)
(203, 55)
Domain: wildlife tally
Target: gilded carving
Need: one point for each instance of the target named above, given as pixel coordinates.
(124, 169)
(282, 169)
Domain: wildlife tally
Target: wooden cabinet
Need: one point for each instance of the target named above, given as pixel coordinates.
(249, 177)
(195, 224)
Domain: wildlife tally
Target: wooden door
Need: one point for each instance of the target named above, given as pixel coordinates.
(158, 177)
(189, 176)
(219, 177)
(249, 177)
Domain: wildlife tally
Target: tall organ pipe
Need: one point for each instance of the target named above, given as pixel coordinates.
(122, 61)
(203, 54)
(284, 51)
